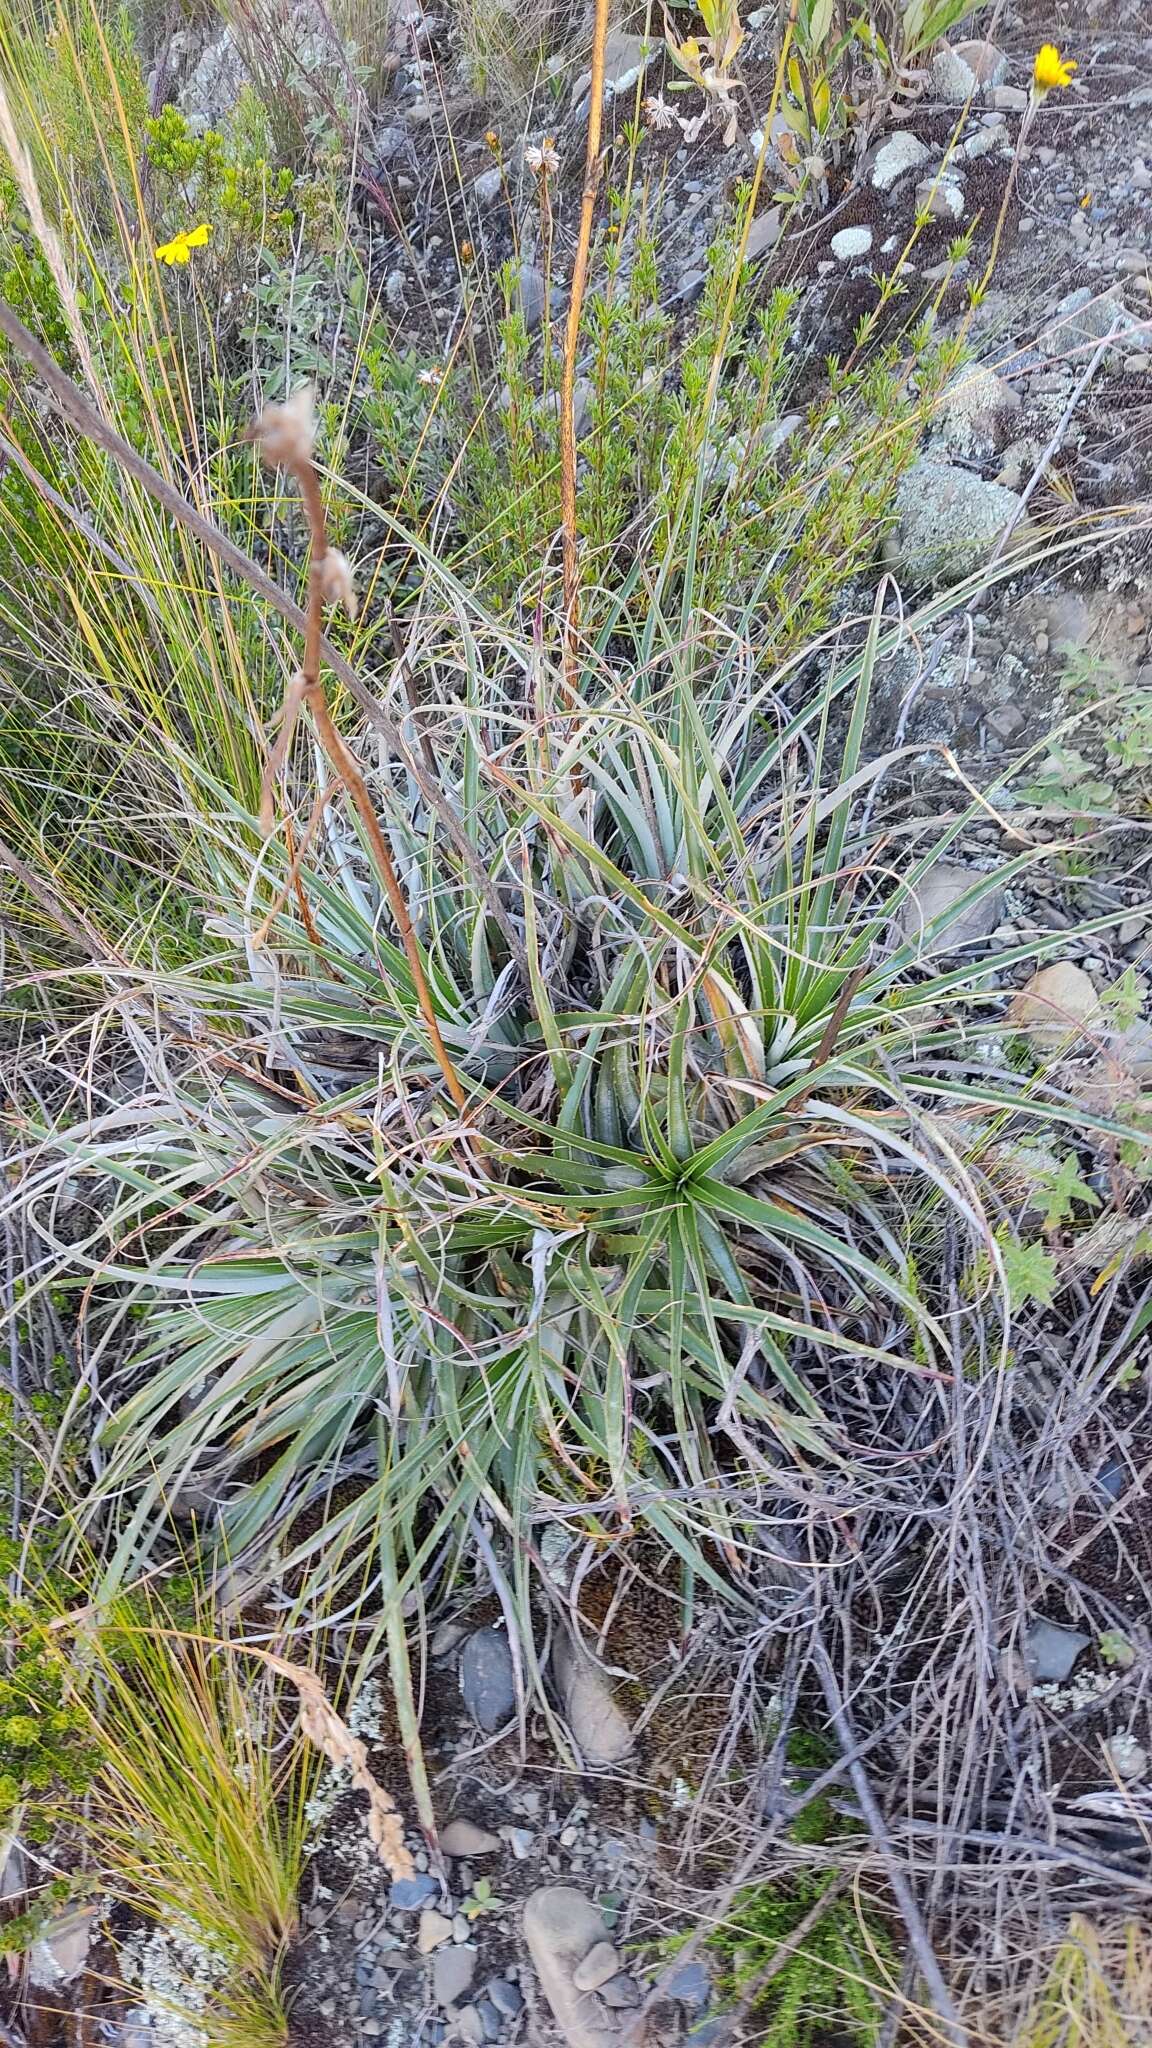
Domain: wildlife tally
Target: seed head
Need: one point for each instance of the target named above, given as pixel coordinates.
(285, 433)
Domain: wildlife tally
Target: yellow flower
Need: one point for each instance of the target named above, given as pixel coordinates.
(179, 249)
(1051, 72)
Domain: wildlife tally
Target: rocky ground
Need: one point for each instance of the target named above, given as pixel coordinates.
(557, 1884)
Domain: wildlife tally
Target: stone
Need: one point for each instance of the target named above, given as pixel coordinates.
(598, 1727)
(975, 407)
(985, 141)
(626, 59)
(690, 1984)
(561, 1926)
(948, 523)
(531, 293)
(453, 1969)
(1010, 99)
(408, 1894)
(491, 2019)
(435, 1930)
(941, 198)
(764, 233)
(1131, 1048)
(487, 188)
(937, 892)
(1128, 1758)
(487, 1679)
(507, 1998)
(1050, 1650)
(851, 243)
(965, 71)
(899, 154)
(462, 1837)
(620, 1992)
(1083, 318)
(469, 2025)
(60, 1950)
(1055, 1007)
(600, 1963)
(521, 1841)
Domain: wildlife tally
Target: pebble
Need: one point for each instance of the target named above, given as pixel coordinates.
(1054, 1008)
(520, 1841)
(491, 2019)
(435, 1929)
(940, 199)
(1128, 1758)
(372, 2028)
(486, 189)
(936, 895)
(851, 243)
(902, 152)
(507, 1998)
(460, 1927)
(452, 1972)
(601, 1962)
(487, 1679)
(530, 287)
(408, 1894)
(620, 1992)
(469, 2025)
(691, 1984)
(1050, 1650)
(463, 1838)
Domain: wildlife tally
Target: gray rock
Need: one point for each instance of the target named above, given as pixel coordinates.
(507, 1998)
(599, 1729)
(487, 1679)
(945, 884)
(941, 198)
(211, 92)
(974, 411)
(948, 522)
(601, 1962)
(764, 233)
(1128, 1758)
(626, 58)
(435, 1930)
(521, 1841)
(469, 2025)
(850, 244)
(560, 1927)
(531, 294)
(620, 1992)
(966, 70)
(453, 1969)
(901, 153)
(408, 1894)
(1083, 318)
(1051, 1650)
(487, 188)
(462, 1837)
(491, 2019)
(691, 1984)
(60, 1950)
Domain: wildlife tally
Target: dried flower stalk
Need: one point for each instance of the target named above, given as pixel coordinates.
(325, 1730)
(284, 435)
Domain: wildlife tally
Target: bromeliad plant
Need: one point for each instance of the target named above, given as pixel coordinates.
(699, 1169)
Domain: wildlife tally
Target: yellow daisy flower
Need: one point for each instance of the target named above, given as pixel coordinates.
(1051, 72)
(179, 249)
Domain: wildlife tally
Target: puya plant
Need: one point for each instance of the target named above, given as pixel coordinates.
(597, 1238)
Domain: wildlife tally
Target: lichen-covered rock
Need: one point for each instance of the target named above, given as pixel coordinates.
(896, 156)
(975, 409)
(948, 523)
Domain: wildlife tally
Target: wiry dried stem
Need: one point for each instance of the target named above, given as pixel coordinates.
(284, 435)
(571, 347)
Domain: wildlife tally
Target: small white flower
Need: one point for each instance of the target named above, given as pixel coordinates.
(657, 113)
(432, 377)
(543, 158)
